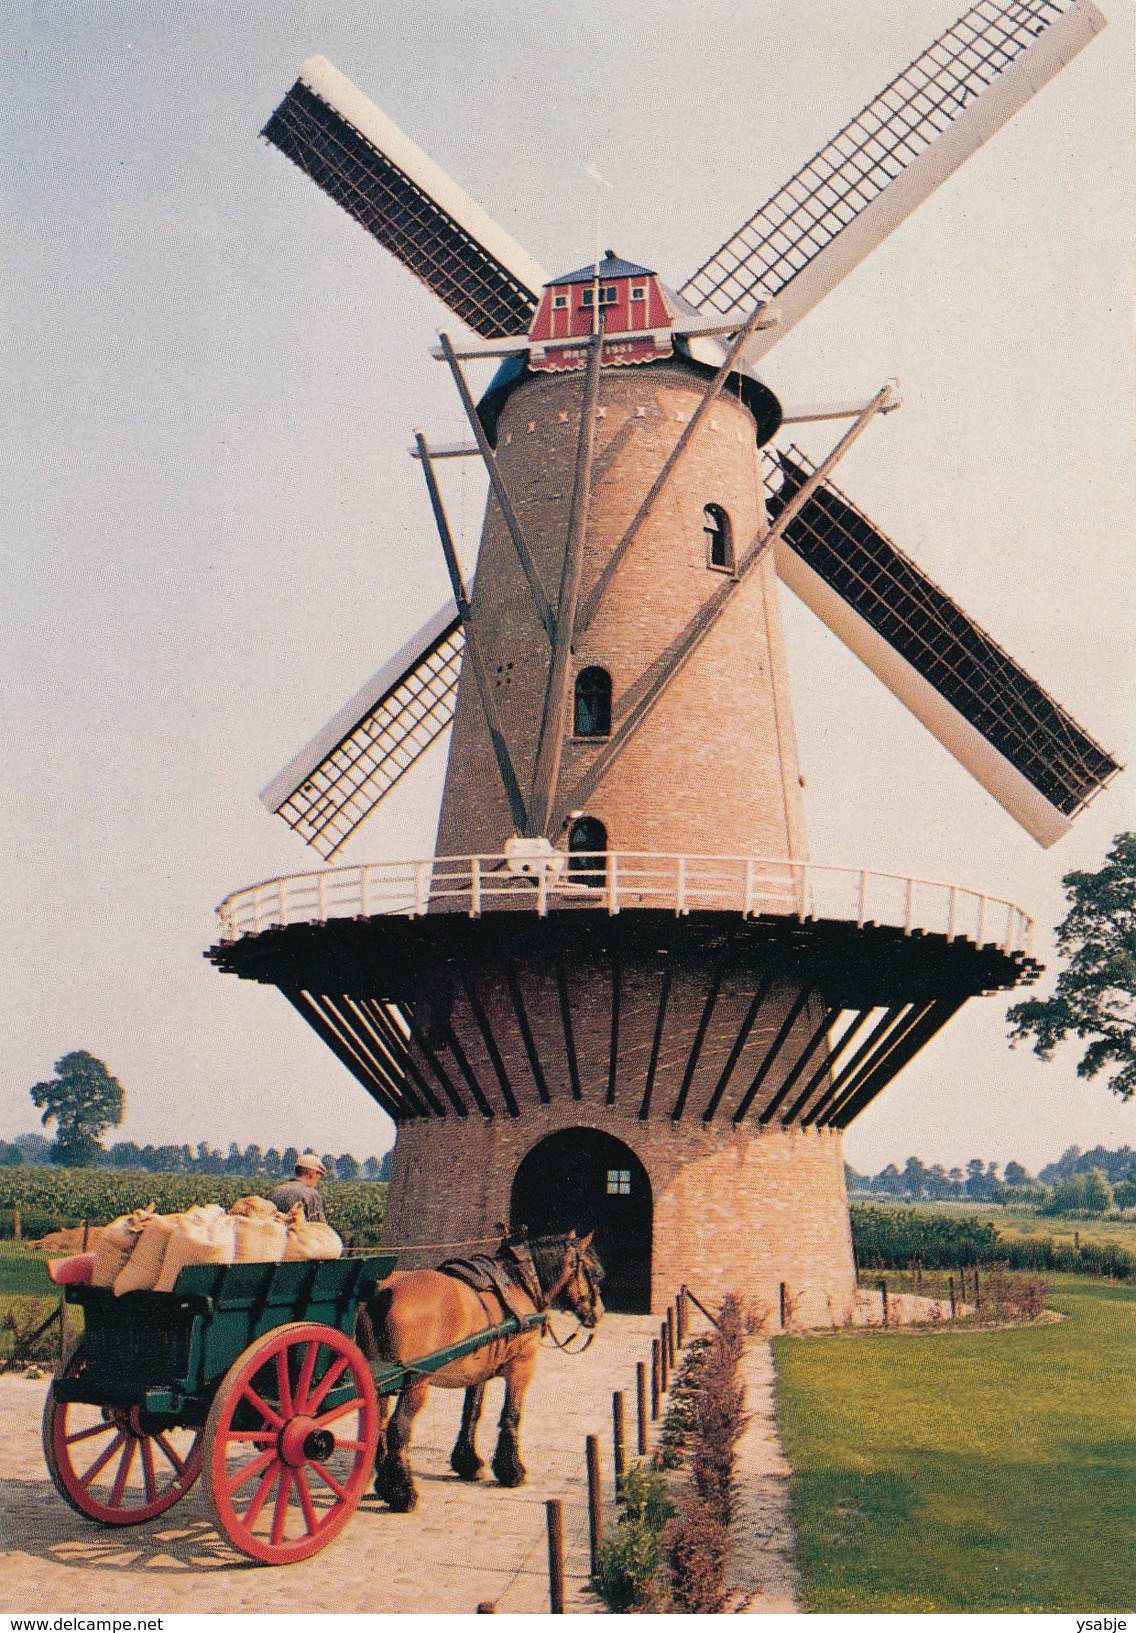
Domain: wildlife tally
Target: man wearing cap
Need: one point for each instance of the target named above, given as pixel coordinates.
(304, 1189)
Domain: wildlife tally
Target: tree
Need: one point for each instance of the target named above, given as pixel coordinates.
(10, 1155)
(347, 1166)
(1095, 996)
(83, 1100)
(1080, 1193)
(37, 1150)
(915, 1178)
(938, 1185)
(1016, 1174)
(888, 1180)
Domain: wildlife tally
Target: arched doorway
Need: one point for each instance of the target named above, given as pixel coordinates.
(582, 1179)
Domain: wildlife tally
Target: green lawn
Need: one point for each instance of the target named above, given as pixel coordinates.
(968, 1472)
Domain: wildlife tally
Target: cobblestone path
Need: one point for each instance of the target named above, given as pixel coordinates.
(462, 1545)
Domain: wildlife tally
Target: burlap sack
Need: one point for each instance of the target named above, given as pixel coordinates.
(201, 1236)
(144, 1265)
(116, 1244)
(260, 1241)
(255, 1207)
(308, 1239)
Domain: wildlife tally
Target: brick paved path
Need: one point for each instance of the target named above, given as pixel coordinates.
(463, 1544)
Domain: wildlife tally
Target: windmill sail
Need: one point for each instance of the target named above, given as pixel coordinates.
(338, 137)
(336, 781)
(892, 156)
(983, 707)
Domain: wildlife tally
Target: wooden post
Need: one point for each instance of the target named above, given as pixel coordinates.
(619, 1440)
(595, 1501)
(16, 1237)
(664, 1360)
(976, 1287)
(672, 1353)
(680, 1307)
(954, 1301)
(487, 1607)
(884, 1291)
(1076, 1240)
(641, 1392)
(784, 1294)
(554, 1512)
(656, 1377)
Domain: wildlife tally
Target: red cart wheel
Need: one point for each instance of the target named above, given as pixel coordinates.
(110, 1466)
(284, 1470)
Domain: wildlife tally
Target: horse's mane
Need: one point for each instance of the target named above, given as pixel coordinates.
(548, 1258)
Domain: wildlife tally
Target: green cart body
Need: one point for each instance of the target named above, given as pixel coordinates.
(248, 1374)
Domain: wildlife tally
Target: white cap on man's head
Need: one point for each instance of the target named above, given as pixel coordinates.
(311, 1162)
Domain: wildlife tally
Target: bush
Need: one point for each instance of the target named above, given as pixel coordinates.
(1003, 1298)
(697, 1542)
(1079, 1193)
(627, 1566)
(21, 1318)
(696, 1560)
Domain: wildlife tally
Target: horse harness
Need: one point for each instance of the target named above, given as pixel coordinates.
(505, 1273)
(483, 1273)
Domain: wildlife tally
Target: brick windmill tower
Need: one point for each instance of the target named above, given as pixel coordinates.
(621, 995)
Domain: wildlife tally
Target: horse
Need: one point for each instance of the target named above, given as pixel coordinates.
(417, 1312)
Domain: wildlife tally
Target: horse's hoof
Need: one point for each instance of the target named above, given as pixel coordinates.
(396, 1488)
(468, 1468)
(509, 1473)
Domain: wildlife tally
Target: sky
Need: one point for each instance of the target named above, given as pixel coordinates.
(212, 533)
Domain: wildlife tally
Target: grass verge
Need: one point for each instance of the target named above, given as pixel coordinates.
(967, 1472)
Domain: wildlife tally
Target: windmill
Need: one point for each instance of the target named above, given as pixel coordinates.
(621, 994)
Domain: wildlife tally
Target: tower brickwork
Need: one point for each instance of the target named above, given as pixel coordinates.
(734, 1210)
(721, 743)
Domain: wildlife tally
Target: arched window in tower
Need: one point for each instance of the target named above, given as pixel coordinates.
(719, 533)
(587, 842)
(592, 715)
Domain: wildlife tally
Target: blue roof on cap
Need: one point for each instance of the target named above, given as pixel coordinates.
(610, 267)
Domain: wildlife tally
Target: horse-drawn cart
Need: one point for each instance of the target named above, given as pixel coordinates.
(245, 1375)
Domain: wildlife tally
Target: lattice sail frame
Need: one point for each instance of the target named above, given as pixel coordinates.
(336, 781)
(349, 148)
(890, 157)
(1041, 766)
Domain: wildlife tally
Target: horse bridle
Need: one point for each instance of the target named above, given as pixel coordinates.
(522, 1257)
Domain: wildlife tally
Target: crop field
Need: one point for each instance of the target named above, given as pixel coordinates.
(946, 1238)
(23, 1273)
(967, 1472)
(56, 1198)
(1018, 1222)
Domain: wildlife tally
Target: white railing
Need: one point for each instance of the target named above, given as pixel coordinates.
(616, 880)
